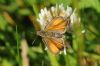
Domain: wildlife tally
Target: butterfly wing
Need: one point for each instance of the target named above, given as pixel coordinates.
(55, 45)
(57, 24)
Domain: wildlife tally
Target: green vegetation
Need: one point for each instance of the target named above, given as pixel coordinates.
(18, 28)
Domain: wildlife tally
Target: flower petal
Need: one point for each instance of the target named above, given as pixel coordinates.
(73, 17)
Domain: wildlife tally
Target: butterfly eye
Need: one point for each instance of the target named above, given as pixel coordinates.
(40, 33)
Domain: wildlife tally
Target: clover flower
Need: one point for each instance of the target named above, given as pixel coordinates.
(46, 15)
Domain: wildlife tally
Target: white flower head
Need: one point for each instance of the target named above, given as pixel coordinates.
(45, 16)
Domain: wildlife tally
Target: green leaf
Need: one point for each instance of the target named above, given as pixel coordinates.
(90, 3)
(3, 23)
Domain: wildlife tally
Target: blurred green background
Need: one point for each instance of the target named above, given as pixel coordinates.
(18, 31)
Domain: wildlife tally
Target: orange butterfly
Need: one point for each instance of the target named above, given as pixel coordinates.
(53, 34)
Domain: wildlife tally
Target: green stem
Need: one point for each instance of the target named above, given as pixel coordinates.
(18, 55)
(79, 37)
(67, 60)
(35, 8)
(53, 59)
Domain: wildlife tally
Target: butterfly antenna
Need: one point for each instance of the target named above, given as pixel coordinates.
(34, 40)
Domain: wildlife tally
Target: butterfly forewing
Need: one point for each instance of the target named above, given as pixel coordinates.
(57, 24)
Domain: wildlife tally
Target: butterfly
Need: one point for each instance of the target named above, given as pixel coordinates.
(53, 34)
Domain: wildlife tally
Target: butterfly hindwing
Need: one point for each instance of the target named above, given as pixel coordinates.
(55, 45)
